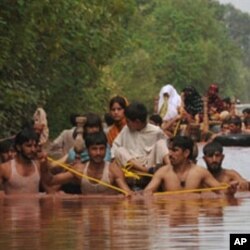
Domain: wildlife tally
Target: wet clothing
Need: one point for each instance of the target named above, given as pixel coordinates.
(18, 184)
(88, 187)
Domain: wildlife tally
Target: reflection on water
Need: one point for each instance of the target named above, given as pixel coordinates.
(110, 223)
(75, 222)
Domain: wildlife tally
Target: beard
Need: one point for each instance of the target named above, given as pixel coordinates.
(214, 168)
(27, 157)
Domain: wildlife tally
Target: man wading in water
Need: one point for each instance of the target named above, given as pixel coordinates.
(22, 175)
(213, 157)
(182, 173)
(96, 168)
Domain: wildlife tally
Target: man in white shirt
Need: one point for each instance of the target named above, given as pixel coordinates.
(140, 144)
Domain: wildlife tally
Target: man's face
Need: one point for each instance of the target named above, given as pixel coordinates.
(214, 162)
(177, 155)
(234, 129)
(28, 150)
(134, 125)
(97, 153)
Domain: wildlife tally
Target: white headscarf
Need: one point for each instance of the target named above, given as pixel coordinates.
(40, 118)
(174, 101)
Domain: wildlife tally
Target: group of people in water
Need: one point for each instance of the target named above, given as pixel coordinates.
(134, 153)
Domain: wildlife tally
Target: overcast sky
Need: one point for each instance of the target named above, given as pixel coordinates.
(243, 5)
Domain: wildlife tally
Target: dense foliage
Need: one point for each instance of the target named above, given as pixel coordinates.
(71, 55)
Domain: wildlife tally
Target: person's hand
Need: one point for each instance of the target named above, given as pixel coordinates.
(233, 187)
(148, 193)
(243, 186)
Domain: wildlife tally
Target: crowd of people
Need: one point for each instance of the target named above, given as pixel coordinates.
(128, 151)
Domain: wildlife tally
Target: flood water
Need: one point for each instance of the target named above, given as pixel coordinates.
(163, 222)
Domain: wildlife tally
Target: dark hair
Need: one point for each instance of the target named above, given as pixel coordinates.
(235, 120)
(25, 135)
(183, 142)
(195, 153)
(156, 118)
(118, 99)
(246, 121)
(212, 147)
(108, 119)
(227, 100)
(93, 120)
(246, 110)
(73, 119)
(136, 111)
(6, 145)
(98, 138)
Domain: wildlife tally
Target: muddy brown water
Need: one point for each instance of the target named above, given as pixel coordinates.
(164, 222)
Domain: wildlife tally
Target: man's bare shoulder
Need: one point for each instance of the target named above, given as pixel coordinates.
(231, 173)
(198, 168)
(164, 169)
(5, 169)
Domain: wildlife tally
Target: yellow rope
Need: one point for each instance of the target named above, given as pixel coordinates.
(135, 174)
(65, 166)
(144, 174)
(130, 174)
(224, 186)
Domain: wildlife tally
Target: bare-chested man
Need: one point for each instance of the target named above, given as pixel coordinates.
(213, 157)
(22, 175)
(182, 173)
(96, 168)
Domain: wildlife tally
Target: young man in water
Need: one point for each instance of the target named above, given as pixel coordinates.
(96, 168)
(22, 175)
(213, 157)
(182, 173)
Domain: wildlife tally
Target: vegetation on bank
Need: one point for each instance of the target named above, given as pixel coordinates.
(72, 56)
